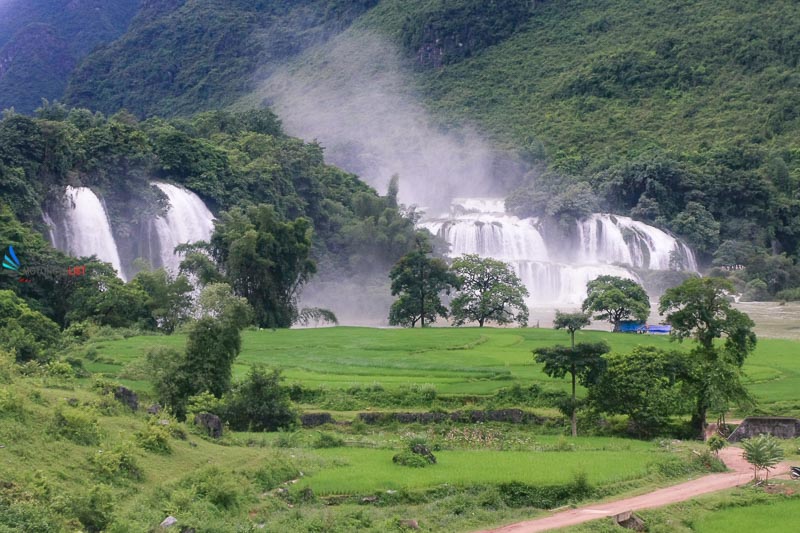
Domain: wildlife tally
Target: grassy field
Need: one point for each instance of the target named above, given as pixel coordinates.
(94, 472)
(603, 461)
(463, 361)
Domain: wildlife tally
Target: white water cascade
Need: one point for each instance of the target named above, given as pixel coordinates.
(556, 273)
(187, 220)
(85, 229)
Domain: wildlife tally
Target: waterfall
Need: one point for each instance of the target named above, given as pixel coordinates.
(187, 220)
(556, 270)
(604, 238)
(85, 229)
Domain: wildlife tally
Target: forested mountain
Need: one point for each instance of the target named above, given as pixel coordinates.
(681, 114)
(182, 57)
(42, 41)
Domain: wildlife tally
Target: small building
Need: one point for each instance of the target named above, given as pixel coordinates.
(632, 326)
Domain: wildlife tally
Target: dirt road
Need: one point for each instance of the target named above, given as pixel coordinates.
(742, 473)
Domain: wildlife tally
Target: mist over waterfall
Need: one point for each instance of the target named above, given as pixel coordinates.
(84, 228)
(187, 220)
(556, 271)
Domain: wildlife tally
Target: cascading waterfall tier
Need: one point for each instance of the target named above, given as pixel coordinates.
(187, 220)
(80, 226)
(556, 271)
(84, 229)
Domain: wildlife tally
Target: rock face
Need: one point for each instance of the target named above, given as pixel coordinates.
(211, 423)
(781, 427)
(127, 397)
(310, 420)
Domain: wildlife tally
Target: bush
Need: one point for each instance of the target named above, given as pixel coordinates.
(74, 425)
(260, 403)
(328, 440)
(205, 402)
(273, 474)
(95, 508)
(154, 438)
(518, 494)
(790, 295)
(119, 462)
(11, 404)
(409, 458)
(8, 370)
(214, 486)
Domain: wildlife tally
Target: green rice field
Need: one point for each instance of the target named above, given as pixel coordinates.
(455, 361)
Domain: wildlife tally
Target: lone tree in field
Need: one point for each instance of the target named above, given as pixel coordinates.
(571, 322)
(583, 361)
(616, 299)
(700, 309)
(763, 452)
(419, 280)
(489, 290)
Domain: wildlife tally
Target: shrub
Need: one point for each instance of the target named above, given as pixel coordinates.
(409, 458)
(205, 402)
(260, 403)
(214, 486)
(8, 369)
(715, 443)
(274, 473)
(328, 440)
(154, 438)
(518, 494)
(119, 462)
(94, 509)
(77, 426)
(10, 404)
(416, 455)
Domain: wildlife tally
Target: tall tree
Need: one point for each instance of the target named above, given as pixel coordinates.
(419, 280)
(169, 298)
(646, 385)
(616, 299)
(700, 309)
(572, 322)
(213, 344)
(584, 362)
(488, 289)
(265, 259)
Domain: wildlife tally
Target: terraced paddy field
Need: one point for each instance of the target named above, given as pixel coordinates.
(453, 361)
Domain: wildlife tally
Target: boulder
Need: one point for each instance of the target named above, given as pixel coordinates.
(310, 420)
(211, 423)
(127, 397)
(421, 449)
(409, 524)
(154, 409)
(169, 522)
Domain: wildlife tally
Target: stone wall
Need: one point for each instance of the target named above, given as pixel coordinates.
(781, 427)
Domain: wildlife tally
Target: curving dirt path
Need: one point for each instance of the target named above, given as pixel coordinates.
(742, 473)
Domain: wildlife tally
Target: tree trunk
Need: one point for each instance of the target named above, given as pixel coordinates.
(574, 419)
(617, 326)
(480, 322)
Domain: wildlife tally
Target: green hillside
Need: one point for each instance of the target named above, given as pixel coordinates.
(41, 42)
(201, 55)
